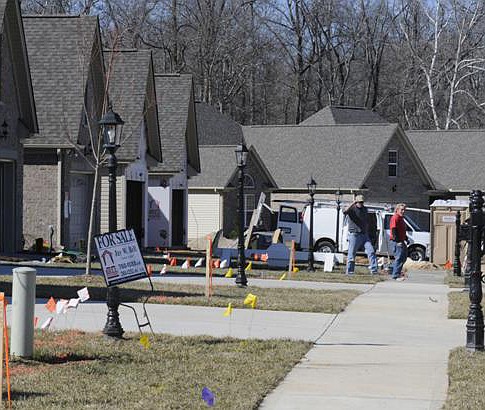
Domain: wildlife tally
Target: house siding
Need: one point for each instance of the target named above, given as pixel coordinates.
(120, 203)
(230, 201)
(40, 206)
(408, 186)
(204, 217)
(11, 150)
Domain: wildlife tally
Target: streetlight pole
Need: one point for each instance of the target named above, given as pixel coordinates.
(312, 185)
(112, 125)
(474, 324)
(338, 195)
(241, 158)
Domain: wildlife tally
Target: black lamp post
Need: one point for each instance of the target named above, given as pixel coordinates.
(312, 186)
(112, 127)
(338, 196)
(474, 324)
(241, 158)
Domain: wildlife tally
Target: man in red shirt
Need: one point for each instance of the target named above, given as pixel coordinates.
(399, 238)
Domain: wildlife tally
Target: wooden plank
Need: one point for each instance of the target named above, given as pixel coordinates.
(208, 267)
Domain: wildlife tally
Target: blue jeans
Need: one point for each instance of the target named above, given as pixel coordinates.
(356, 240)
(400, 256)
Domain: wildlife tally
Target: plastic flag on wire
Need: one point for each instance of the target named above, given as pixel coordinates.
(228, 311)
(145, 341)
(224, 264)
(164, 269)
(283, 277)
(251, 300)
(229, 273)
(51, 305)
(208, 396)
(249, 267)
(47, 323)
(83, 294)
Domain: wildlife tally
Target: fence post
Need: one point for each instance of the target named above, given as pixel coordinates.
(23, 305)
(474, 325)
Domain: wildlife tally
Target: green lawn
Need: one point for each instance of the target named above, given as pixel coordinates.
(75, 370)
(286, 299)
(466, 390)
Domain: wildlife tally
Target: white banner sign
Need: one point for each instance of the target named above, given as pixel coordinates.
(120, 257)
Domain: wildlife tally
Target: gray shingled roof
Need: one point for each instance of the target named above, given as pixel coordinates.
(59, 50)
(453, 158)
(218, 166)
(217, 163)
(10, 9)
(337, 115)
(337, 156)
(127, 92)
(173, 100)
(214, 128)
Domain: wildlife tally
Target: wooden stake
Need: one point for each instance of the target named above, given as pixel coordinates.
(208, 268)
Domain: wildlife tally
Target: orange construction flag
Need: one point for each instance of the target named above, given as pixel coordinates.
(51, 305)
(173, 261)
(448, 265)
(149, 270)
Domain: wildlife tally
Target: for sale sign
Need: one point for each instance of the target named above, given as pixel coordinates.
(120, 257)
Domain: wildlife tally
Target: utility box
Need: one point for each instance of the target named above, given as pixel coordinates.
(443, 228)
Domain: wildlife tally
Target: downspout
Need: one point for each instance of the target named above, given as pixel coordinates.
(59, 197)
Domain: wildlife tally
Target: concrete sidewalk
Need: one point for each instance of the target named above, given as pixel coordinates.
(388, 350)
(181, 320)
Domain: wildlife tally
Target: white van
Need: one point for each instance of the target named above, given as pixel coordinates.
(295, 226)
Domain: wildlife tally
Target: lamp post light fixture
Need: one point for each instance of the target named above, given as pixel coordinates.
(312, 186)
(241, 158)
(338, 197)
(112, 127)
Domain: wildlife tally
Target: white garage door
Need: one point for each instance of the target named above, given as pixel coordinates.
(205, 215)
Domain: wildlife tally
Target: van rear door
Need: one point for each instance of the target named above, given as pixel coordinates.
(289, 223)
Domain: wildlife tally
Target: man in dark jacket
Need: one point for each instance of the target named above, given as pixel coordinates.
(358, 223)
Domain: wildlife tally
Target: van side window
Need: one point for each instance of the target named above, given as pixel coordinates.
(288, 214)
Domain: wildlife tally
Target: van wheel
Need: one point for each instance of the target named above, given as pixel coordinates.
(417, 253)
(324, 246)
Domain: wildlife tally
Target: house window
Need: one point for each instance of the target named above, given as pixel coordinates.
(392, 163)
(249, 205)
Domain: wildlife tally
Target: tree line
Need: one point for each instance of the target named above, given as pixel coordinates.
(417, 62)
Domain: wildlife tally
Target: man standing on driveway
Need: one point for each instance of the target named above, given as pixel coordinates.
(359, 235)
(399, 239)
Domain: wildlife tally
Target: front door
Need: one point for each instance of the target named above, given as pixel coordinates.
(7, 207)
(178, 212)
(80, 200)
(134, 208)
